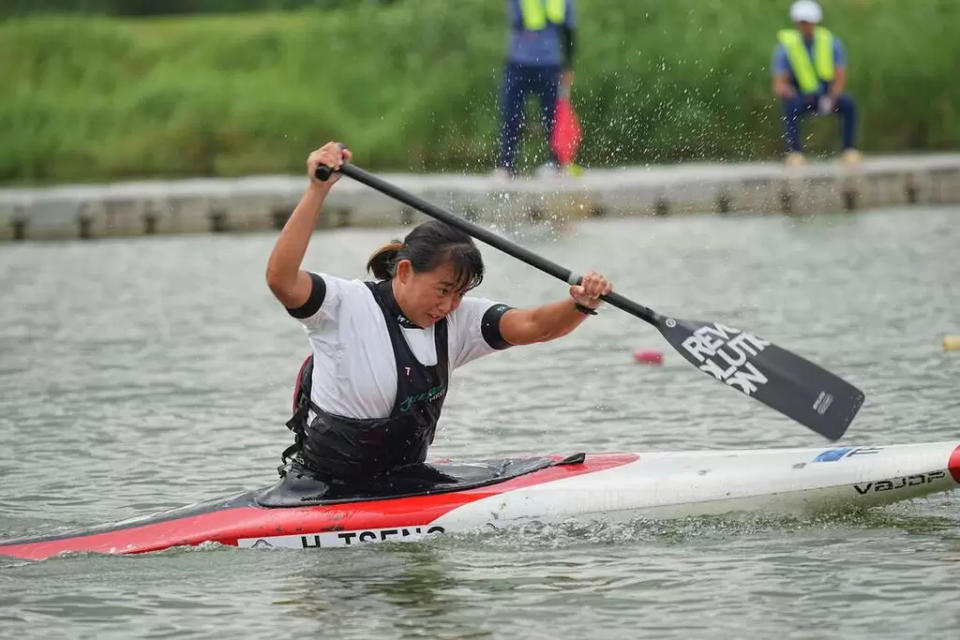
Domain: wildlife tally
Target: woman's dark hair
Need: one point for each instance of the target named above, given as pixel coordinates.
(427, 247)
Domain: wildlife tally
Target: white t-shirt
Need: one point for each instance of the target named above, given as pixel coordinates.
(354, 369)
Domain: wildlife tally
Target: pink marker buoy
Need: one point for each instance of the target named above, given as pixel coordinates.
(648, 356)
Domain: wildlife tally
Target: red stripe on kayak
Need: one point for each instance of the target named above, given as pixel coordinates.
(228, 525)
(954, 465)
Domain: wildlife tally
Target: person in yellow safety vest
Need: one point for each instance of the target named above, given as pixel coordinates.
(809, 76)
(539, 59)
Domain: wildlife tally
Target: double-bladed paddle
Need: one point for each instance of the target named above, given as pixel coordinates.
(782, 380)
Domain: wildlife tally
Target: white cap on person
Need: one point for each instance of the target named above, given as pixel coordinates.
(806, 11)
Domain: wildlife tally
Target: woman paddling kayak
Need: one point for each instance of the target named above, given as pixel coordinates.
(382, 351)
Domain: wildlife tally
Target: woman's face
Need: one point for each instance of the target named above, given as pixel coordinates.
(426, 298)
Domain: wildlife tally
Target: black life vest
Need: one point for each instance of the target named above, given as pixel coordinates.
(349, 448)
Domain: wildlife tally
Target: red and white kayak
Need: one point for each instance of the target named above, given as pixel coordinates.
(470, 497)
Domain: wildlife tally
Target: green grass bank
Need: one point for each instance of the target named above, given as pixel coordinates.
(413, 85)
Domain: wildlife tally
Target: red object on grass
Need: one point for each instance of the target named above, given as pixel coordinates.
(566, 131)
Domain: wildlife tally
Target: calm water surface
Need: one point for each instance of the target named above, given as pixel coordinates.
(142, 374)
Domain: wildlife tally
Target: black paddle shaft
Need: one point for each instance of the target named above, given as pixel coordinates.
(782, 380)
(490, 238)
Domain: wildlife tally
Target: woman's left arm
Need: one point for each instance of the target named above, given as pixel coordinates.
(551, 321)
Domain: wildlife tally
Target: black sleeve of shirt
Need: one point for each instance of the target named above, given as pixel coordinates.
(312, 305)
(490, 326)
(566, 34)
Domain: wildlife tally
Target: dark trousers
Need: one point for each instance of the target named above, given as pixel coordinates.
(519, 81)
(795, 108)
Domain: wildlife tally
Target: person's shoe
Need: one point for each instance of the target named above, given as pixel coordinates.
(501, 175)
(851, 157)
(572, 170)
(795, 159)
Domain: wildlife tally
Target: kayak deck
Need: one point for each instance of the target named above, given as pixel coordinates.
(611, 487)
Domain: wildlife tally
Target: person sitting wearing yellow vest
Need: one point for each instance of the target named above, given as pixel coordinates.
(809, 76)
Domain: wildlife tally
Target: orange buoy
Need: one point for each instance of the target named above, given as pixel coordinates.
(648, 356)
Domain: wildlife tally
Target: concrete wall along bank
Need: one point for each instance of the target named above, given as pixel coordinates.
(265, 202)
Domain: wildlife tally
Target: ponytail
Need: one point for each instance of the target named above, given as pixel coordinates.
(383, 261)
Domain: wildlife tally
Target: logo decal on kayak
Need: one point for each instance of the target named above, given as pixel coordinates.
(832, 455)
(900, 483)
(723, 352)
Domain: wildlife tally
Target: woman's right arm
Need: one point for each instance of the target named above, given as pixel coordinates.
(289, 283)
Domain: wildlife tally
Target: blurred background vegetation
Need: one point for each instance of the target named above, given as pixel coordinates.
(107, 89)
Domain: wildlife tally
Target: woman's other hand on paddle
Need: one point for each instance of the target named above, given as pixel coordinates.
(331, 155)
(591, 287)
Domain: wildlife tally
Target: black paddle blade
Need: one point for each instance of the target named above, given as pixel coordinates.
(792, 385)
